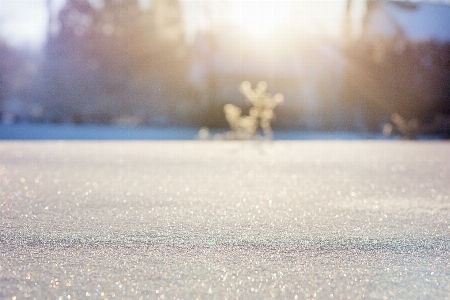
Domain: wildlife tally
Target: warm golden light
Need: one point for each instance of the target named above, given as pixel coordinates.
(259, 17)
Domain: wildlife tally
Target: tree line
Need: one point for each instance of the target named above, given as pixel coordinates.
(104, 62)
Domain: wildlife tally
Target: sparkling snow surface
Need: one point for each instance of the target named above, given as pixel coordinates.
(216, 220)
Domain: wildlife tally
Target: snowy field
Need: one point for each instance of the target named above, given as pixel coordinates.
(224, 220)
(92, 132)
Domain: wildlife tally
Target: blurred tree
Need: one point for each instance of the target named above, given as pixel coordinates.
(69, 85)
(119, 58)
(3, 71)
(17, 71)
(347, 22)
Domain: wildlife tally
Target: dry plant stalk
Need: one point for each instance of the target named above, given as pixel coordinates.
(261, 114)
(408, 129)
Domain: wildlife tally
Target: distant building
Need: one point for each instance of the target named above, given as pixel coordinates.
(401, 61)
(413, 21)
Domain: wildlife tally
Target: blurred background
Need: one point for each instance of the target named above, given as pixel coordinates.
(341, 65)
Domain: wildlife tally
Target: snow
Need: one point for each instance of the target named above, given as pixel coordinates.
(92, 132)
(221, 219)
(29, 131)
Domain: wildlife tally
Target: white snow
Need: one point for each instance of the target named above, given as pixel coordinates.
(30, 131)
(216, 220)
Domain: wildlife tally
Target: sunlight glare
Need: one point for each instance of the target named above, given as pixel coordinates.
(259, 17)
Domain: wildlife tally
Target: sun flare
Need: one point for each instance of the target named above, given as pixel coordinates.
(259, 17)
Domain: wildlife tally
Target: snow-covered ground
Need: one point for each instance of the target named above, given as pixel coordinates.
(92, 132)
(224, 220)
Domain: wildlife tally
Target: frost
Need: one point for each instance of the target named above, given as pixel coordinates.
(237, 220)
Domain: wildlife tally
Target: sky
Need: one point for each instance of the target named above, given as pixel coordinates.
(22, 21)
